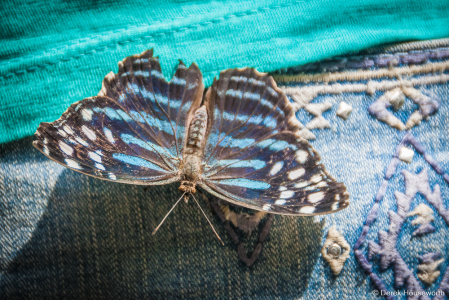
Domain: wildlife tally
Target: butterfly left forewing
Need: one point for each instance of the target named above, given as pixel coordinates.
(94, 137)
(254, 156)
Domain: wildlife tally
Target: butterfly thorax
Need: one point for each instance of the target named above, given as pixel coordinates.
(193, 151)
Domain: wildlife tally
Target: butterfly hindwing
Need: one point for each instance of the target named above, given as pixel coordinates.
(254, 156)
(133, 131)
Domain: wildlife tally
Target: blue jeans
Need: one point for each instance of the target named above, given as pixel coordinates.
(65, 235)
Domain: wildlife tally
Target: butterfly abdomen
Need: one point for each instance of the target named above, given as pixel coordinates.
(191, 168)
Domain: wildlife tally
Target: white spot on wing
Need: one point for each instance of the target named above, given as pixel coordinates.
(282, 188)
(335, 206)
(286, 194)
(296, 173)
(266, 207)
(179, 81)
(301, 156)
(256, 82)
(301, 184)
(108, 134)
(276, 168)
(272, 92)
(157, 74)
(94, 156)
(239, 78)
(280, 202)
(62, 133)
(100, 166)
(68, 129)
(46, 150)
(315, 197)
(234, 93)
(72, 164)
(82, 142)
(316, 178)
(112, 176)
(65, 148)
(141, 73)
(87, 114)
(192, 86)
(306, 210)
(89, 133)
(252, 96)
(321, 184)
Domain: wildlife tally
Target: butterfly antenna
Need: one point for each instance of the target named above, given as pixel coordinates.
(208, 220)
(154, 231)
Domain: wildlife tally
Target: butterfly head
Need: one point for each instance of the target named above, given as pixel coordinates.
(187, 187)
(190, 174)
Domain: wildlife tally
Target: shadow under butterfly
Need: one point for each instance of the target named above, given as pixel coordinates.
(238, 140)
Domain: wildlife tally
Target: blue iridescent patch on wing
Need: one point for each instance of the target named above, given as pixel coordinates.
(136, 161)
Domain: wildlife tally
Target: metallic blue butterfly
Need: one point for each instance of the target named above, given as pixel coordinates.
(239, 141)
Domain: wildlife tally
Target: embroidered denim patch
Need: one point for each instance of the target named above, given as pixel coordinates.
(65, 235)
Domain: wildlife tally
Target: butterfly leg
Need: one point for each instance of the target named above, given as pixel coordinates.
(204, 196)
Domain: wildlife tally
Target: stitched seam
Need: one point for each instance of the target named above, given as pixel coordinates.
(409, 46)
(152, 36)
(311, 92)
(364, 75)
(381, 61)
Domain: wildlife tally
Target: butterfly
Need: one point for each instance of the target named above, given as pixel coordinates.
(238, 140)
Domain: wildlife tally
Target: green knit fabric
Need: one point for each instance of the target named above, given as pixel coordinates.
(56, 52)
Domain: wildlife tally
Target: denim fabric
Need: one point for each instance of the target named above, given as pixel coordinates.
(65, 235)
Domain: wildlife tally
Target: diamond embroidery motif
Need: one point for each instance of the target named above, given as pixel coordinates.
(395, 98)
(335, 250)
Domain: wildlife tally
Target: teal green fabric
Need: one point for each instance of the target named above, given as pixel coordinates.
(56, 52)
